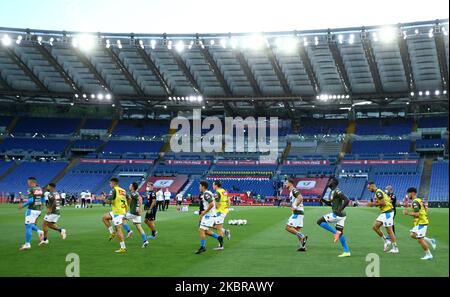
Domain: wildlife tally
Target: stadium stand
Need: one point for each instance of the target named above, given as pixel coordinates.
(439, 182)
(383, 127)
(380, 146)
(34, 144)
(46, 126)
(122, 146)
(4, 166)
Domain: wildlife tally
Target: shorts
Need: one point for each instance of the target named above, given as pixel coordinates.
(295, 220)
(419, 230)
(220, 218)
(179, 202)
(207, 222)
(31, 216)
(88, 200)
(117, 218)
(333, 218)
(134, 218)
(387, 218)
(151, 215)
(52, 218)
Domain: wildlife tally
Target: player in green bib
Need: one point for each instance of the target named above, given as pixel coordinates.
(134, 211)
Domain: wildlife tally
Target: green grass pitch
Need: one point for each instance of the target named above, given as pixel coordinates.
(260, 248)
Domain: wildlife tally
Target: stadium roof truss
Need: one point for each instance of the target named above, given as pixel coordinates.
(269, 72)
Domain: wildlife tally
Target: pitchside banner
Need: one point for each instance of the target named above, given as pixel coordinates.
(173, 183)
(306, 162)
(115, 161)
(309, 186)
(188, 162)
(245, 162)
(378, 162)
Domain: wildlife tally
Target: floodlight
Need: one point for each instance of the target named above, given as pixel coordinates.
(387, 34)
(6, 40)
(437, 92)
(153, 43)
(179, 46)
(100, 96)
(211, 42)
(223, 43)
(19, 39)
(420, 93)
(85, 42)
(108, 97)
(427, 93)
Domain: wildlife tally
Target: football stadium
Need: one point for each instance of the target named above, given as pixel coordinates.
(316, 152)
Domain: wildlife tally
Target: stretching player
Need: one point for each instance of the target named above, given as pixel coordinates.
(338, 201)
(118, 200)
(134, 212)
(295, 222)
(207, 217)
(151, 208)
(386, 218)
(34, 203)
(223, 205)
(53, 214)
(419, 231)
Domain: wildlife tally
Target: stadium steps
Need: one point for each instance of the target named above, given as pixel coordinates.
(286, 151)
(347, 144)
(415, 126)
(63, 172)
(10, 169)
(12, 125)
(425, 179)
(82, 123)
(113, 125)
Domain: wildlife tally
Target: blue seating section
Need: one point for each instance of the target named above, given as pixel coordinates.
(34, 144)
(118, 146)
(309, 170)
(383, 128)
(5, 121)
(352, 187)
(394, 169)
(133, 168)
(44, 172)
(170, 169)
(46, 126)
(430, 143)
(433, 122)
(400, 183)
(257, 186)
(323, 127)
(4, 166)
(380, 146)
(97, 124)
(86, 176)
(439, 182)
(124, 182)
(354, 168)
(262, 168)
(87, 144)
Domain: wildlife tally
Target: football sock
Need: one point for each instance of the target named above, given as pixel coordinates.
(428, 253)
(328, 227)
(300, 235)
(153, 232)
(202, 243)
(27, 233)
(144, 237)
(428, 240)
(127, 228)
(34, 228)
(45, 238)
(59, 230)
(214, 235)
(122, 245)
(344, 243)
(384, 238)
(111, 229)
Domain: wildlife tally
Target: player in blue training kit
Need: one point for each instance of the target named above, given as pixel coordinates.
(34, 204)
(338, 201)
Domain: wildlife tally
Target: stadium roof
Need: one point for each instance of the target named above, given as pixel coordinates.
(281, 71)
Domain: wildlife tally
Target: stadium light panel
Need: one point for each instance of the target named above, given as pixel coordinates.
(19, 39)
(305, 41)
(427, 93)
(6, 40)
(375, 36)
(71, 103)
(84, 96)
(287, 44)
(141, 43)
(119, 44)
(100, 96)
(234, 43)
(199, 98)
(348, 96)
(108, 43)
(212, 42)
(179, 46)
(420, 93)
(92, 96)
(108, 96)
(169, 44)
(437, 92)
(76, 96)
(316, 40)
(430, 33)
(416, 31)
(444, 92)
(254, 42)
(84, 42)
(387, 34)
(39, 39)
(153, 43)
(351, 40)
(412, 94)
(223, 43)
(165, 106)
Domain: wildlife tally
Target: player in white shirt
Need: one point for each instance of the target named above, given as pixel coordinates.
(207, 217)
(63, 198)
(160, 199)
(295, 223)
(83, 199)
(88, 198)
(167, 195)
(179, 201)
(46, 194)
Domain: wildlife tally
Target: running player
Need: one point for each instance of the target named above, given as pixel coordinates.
(338, 201)
(295, 222)
(134, 212)
(151, 208)
(207, 217)
(34, 204)
(179, 201)
(118, 200)
(419, 231)
(53, 214)
(386, 218)
(393, 197)
(223, 206)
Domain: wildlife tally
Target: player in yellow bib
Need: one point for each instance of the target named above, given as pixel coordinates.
(222, 209)
(419, 231)
(118, 200)
(386, 218)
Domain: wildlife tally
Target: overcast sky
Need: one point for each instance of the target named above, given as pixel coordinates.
(213, 16)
